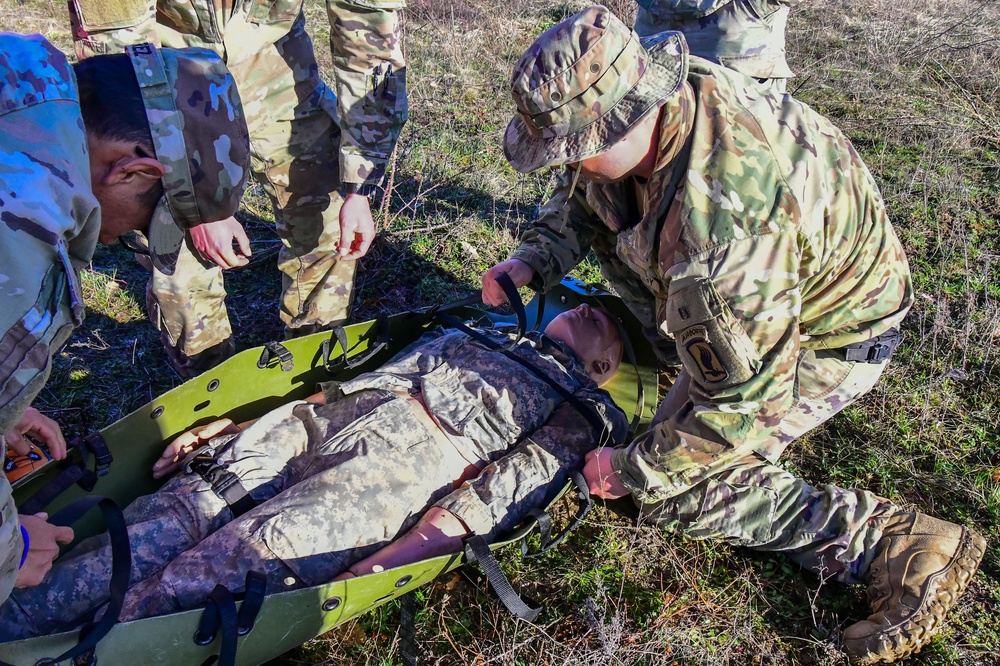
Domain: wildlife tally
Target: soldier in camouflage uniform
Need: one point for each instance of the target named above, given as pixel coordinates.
(317, 155)
(70, 177)
(749, 231)
(337, 479)
(745, 35)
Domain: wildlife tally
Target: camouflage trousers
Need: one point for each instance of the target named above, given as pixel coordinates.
(334, 484)
(744, 497)
(295, 142)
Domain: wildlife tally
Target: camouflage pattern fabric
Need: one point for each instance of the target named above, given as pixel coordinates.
(331, 483)
(199, 134)
(745, 35)
(49, 222)
(763, 240)
(306, 141)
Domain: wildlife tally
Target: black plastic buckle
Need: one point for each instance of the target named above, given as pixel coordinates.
(102, 455)
(275, 350)
(879, 353)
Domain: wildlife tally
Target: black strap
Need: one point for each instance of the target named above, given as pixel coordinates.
(408, 628)
(477, 550)
(219, 617)
(338, 336)
(875, 350)
(75, 472)
(588, 410)
(279, 351)
(121, 565)
(225, 484)
(545, 525)
(256, 590)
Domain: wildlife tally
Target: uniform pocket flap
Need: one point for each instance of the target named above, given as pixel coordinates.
(693, 303)
(96, 15)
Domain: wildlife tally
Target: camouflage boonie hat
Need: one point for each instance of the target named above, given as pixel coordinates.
(199, 134)
(583, 84)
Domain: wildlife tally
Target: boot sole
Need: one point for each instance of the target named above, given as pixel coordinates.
(907, 637)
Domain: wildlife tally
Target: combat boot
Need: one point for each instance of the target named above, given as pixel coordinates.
(921, 567)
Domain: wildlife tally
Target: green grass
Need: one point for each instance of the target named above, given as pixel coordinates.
(915, 84)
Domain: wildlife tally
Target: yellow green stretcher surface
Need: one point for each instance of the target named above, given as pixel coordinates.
(241, 390)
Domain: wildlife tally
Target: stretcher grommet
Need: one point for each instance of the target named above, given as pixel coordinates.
(404, 581)
(45, 661)
(333, 603)
(563, 299)
(202, 640)
(212, 385)
(158, 412)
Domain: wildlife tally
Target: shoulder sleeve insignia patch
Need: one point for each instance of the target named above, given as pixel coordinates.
(701, 355)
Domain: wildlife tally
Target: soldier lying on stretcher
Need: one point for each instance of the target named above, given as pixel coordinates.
(450, 437)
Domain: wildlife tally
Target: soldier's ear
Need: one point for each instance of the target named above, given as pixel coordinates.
(139, 169)
(601, 367)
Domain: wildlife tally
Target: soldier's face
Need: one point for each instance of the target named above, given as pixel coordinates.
(633, 155)
(590, 333)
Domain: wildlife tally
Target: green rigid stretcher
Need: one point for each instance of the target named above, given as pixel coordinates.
(245, 387)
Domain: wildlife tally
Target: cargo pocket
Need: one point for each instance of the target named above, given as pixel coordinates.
(266, 12)
(712, 344)
(99, 15)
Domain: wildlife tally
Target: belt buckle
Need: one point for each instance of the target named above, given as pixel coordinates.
(879, 353)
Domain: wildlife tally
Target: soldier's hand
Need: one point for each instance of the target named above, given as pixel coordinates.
(42, 429)
(519, 272)
(601, 478)
(43, 547)
(357, 229)
(214, 242)
(187, 442)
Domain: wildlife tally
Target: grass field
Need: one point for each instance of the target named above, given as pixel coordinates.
(915, 84)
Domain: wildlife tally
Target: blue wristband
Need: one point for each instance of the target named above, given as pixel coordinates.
(27, 543)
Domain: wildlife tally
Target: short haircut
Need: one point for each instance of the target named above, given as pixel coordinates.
(112, 107)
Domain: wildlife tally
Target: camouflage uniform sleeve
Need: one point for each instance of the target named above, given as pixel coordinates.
(561, 236)
(734, 311)
(11, 544)
(102, 28)
(48, 229)
(366, 42)
(533, 473)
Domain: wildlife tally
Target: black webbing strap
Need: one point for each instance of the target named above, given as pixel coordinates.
(477, 550)
(75, 472)
(585, 408)
(545, 522)
(279, 351)
(121, 566)
(220, 617)
(215, 472)
(338, 336)
(408, 628)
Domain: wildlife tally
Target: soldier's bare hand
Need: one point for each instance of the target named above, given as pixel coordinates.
(42, 429)
(214, 242)
(601, 478)
(187, 442)
(519, 272)
(357, 229)
(43, 547)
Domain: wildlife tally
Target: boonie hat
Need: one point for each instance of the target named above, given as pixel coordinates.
(199, 134)
(583, 84)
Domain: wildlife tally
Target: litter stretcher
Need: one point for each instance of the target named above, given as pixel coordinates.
(253, 627)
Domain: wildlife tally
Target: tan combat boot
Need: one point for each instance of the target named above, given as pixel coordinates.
(921, 567)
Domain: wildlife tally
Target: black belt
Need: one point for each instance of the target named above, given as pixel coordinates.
(875, 350)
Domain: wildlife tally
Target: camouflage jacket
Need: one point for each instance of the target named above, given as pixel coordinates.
(767, 236)
(496, 408)
(746, 35)
(49, 221)
(370, 96)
